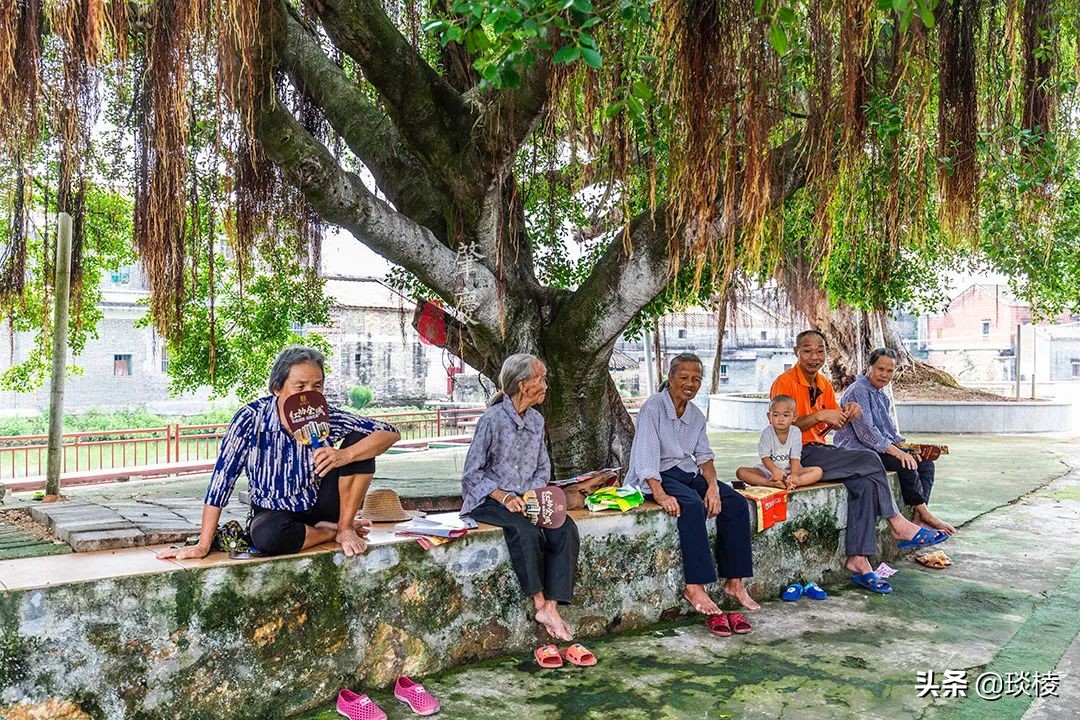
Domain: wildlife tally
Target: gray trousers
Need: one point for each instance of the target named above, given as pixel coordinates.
(868, 491)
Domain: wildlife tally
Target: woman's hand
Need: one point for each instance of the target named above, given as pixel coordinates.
(852, 410)
(670, 504)
(513, 503)
(327, 459)
(907, 460)
(190, 552)
(712, 500)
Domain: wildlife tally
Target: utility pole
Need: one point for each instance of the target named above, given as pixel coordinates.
(646, 343)
(59, 346)
(1017, 363)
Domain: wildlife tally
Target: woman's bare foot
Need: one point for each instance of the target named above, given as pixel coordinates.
(736, 589)
(553, 623)
(700, 600)
(858, 564)
(932, 522)
(326, 525)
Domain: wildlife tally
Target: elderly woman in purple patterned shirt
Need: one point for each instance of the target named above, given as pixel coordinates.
(507, 458)
(875, 430)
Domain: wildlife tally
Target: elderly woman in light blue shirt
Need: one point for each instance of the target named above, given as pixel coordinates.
(671, 460)
(506, 459)
(875, 430)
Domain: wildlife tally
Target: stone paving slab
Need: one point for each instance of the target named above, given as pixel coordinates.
(89, 526)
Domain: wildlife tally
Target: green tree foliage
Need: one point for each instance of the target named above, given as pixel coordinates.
(360, 396)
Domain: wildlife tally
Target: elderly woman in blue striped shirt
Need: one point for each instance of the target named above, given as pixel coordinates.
(671, 460)
(506, 459)
(299, 498)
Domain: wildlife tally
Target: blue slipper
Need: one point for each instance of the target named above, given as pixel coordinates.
(814, 591)
(792, 592)
(923, 538)
(872, 582)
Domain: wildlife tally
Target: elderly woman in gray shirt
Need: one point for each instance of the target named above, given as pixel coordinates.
(671, 460)
(507, 458)
(875, 430)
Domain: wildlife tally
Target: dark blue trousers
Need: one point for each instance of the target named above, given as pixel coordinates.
(733, 558)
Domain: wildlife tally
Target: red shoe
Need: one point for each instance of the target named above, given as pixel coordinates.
(358, 707)
(718, 625)
(739, 624)
(415, 696)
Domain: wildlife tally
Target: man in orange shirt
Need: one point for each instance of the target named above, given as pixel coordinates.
(861, 471)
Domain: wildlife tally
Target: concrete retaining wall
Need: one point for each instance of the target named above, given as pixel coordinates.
(274, 638)
(737, 412)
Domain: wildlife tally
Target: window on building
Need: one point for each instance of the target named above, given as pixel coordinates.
(1076, 368)
(787, 366)
(985, 328)
(682, 333)
(164, 361)
(764, 335)
(723, 371)
(121, 365)
(120, 277)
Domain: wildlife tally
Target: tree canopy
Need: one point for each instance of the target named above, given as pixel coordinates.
(556, 171)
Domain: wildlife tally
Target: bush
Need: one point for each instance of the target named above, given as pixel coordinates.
(360, 396)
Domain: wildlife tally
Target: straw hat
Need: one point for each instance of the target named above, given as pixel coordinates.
(384, 505)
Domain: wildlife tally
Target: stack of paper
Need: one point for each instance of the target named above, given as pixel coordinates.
(612, 472)
(444, 525)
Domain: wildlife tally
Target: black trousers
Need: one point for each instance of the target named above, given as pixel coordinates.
(733, 556)
(915, 485)
(868, 493)
(543, 559)
(282, 532)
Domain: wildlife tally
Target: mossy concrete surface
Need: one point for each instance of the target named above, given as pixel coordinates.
(276, 637)
(1007, 605)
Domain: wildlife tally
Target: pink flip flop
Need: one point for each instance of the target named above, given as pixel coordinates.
(415, 696)
(358, 707)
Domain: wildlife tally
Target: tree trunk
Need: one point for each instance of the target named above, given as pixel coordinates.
(721, 323)
(854, 334)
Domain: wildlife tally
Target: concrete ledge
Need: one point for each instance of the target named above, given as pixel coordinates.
(742, 412)
(128, 636)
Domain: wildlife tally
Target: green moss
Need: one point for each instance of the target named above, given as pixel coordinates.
(13, 651)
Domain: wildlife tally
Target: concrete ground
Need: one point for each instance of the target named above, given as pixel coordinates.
(1008, 605)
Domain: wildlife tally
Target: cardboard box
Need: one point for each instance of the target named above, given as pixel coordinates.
(771, 504)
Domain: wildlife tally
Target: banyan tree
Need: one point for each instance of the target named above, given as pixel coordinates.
(848, 148)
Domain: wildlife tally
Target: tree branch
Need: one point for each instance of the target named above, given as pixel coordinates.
(622, 283)
(364, 127)
(341, 198)
(511, 114)
(430, 114)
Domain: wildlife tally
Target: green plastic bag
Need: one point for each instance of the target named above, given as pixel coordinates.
(614, 498)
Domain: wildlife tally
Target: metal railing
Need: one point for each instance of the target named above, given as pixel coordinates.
(26, 455)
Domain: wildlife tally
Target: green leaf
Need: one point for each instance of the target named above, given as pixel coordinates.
(642, 90)
(433, 25)
(786, 15)
(927, 15)
(582, 6)
(594, 20)
(778, 39)
(613, 109)
(567, 54)
(592, 58)
(635, 105)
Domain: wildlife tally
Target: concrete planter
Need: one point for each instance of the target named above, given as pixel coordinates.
(274, 638)
(740, 412)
